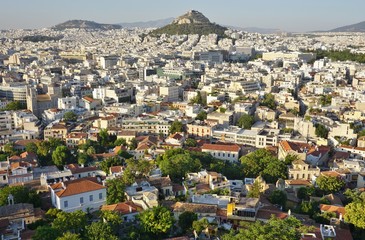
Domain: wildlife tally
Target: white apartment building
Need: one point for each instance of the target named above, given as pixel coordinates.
(171, 92)
(260, 138)
(68, 103)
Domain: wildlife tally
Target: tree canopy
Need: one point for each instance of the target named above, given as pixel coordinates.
(176, 126)
(330, 184)
(246, 121)
(70, 116)
(21, 194)
(115, 191)
(287, 229)
(269, 101)
(61, 156)
(14, 105)
(321, 131)
(262, 162)
(186, 220)
(157, 221)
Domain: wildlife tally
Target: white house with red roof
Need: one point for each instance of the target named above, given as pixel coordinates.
(80, 194)
(176, 139)
(227, 152)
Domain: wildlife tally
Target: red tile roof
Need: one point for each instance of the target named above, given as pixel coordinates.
(79, 186)
(123, 208)
(221, 147)
(332, 208)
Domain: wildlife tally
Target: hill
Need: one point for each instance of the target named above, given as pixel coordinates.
(148, 24)
(357, 27)
(193, 22)
(85, 25)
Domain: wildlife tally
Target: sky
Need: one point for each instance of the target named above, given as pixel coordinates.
(286, 15)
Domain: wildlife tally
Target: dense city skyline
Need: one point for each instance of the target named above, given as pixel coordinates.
(285, 15)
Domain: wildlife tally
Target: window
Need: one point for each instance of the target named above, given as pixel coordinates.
(81, 200)
(100, 195)
(91, 198)
(65, 204)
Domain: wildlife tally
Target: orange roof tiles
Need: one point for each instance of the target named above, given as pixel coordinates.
(332, 208)
(79, 186)
(221, 147)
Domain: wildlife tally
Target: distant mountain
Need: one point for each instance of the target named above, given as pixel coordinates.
(85, 25)
(256, 29)
(357, 27)
(193, 22)
(148, 24)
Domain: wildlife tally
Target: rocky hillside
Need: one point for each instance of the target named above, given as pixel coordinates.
(85, 25)
(193, 22)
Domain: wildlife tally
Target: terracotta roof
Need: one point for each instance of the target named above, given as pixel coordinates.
(84, 169)
(176, 136)
(127, 133)
(25, 142)
(160, 182)
(194, 207)
(79, 186)
(116, 169)
(332, 208)
(123, 208)
(331, 174)
(267, 212)
(294, 146)
(89, 99)
(221, 147)
(298, 182)
(77, 135)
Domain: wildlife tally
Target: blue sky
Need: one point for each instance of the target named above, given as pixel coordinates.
(288, 15)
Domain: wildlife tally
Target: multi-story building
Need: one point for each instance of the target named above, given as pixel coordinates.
(223, 151)
(85, 194)
(302, 171)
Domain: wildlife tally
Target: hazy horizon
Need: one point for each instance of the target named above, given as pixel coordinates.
(296, 16)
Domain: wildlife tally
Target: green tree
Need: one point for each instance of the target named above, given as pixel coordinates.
(269, 101)
(202, 115)
(278, 197)
(179, 165)
(330, 184)
(190, 142)
(326, 100)
(290, 158)
(69, 236)
(262, 162)
(115, 191)
(198, 99)
(133, 144)
(14, 105)
(46, 233)
(305, 192)
(200, 225)
(321, 131)
(120, 142)
(222, 109)
(21, 194)
(246, 121)
(287, 229)
(355, 214)
(31, 147)
(139, 168)
(157, 220)
(104, 137)
(90, 151)
(186, 220)
(176, 126)
(124, 154)
(109, 162)
(61, 156)
(100, 231)
(113, 218)
(82, 158)
(70, 116)
(255, 190)
(74, 222)
(9, 149)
